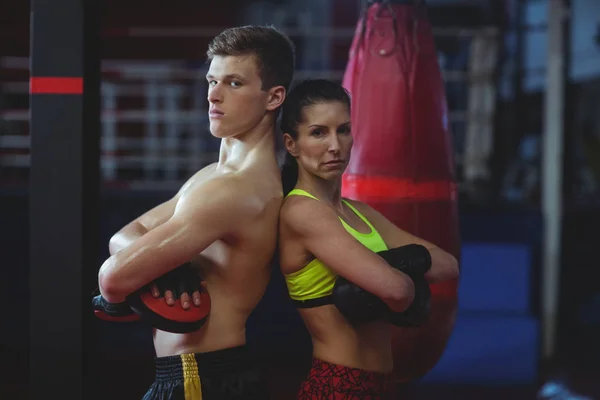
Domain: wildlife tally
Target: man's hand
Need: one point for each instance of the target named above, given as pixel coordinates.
(170, 289)
(165, 303)
(184, 298)
(113, 312)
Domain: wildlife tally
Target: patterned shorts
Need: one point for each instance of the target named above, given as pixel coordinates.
(328, 381)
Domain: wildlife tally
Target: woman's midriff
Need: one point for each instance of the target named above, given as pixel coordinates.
(367, 347)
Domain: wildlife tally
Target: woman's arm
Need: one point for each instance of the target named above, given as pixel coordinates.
(444, 265)
(318, 228)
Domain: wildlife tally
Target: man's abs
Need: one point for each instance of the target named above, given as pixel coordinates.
(236, 277)
(225, 328)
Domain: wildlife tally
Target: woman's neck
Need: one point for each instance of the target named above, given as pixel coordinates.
(324, 190)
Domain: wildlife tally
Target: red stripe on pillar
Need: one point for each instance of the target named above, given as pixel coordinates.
(50, 85)
(390, 189)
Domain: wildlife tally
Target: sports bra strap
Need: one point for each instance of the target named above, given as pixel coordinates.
(365, 220)
(300, 192)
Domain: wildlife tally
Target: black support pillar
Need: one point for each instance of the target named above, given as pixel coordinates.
(553, 164)
(64, 191)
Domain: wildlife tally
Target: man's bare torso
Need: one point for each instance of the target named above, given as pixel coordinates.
(237, 268)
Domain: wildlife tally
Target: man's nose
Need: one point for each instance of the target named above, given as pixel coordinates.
(215, 94)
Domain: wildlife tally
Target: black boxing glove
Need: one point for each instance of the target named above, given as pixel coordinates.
(356, 304)
(418, 312)
(113, 312)
(176, 319)
(414, 260)
(359, 306)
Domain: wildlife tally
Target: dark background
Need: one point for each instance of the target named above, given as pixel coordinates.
(495, 348)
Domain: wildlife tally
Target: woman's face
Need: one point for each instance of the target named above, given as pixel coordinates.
(324, 140)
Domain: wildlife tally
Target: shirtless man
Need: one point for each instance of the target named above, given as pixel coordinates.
(224, 219)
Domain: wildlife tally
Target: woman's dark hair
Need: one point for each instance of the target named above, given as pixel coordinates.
(306, 93)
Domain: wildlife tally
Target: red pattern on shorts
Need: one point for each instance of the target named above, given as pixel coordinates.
(328, 381)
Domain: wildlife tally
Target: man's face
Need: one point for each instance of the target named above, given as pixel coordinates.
(237, 103)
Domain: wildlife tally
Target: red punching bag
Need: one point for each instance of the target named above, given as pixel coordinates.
(402, 160)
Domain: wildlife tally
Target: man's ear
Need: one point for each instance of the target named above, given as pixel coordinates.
(290, 144)
(276, 97)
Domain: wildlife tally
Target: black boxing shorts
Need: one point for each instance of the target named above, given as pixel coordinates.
(229, 374)
(327, 381)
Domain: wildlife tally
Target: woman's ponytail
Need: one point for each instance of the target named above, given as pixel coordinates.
(289, 173)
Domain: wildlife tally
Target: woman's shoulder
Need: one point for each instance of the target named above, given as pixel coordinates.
(302, 212)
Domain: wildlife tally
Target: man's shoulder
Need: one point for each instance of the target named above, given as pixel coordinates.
(221, 194)
(221, 186)
(208, 179)
(198, 177)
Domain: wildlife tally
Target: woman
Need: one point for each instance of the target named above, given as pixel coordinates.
(323, 236)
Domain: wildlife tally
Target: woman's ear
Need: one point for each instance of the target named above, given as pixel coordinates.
(276, 97)
(290, 144)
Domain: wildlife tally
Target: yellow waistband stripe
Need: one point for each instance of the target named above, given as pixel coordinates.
(191, 378)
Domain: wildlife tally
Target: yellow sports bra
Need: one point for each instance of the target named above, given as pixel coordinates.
(312, 285)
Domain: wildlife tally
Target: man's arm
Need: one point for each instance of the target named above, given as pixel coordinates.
(444, 265)
(145, 223)
(142, 225)
(319, 230)
(209, 213)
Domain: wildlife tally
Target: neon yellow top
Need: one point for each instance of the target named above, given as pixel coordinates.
(312, 285)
